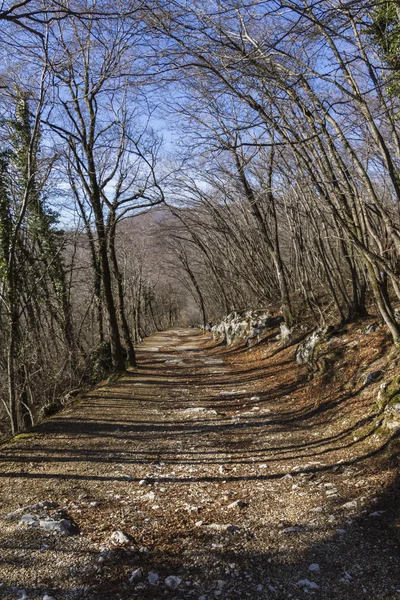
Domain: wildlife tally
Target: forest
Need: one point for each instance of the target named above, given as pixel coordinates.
(165, 163)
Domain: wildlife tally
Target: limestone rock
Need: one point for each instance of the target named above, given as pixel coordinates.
(152, 578)
(33, 508)
(237, 504)
(392, 415)
(307, 350)
(245, 326)
(119, 537)
(64, 526)
(172, 582)
(222, 528)
(136, 575)
(305, 583)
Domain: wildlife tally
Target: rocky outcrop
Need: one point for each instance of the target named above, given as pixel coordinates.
(389, 403)
(392, 414)
(307, 350)
(245, 326)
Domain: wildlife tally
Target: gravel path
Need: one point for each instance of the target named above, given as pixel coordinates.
(205, 473)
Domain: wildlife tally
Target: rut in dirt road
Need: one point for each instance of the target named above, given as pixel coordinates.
(204, 473)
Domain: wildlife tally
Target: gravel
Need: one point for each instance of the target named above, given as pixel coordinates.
(219, 494)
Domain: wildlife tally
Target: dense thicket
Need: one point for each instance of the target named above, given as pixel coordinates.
(278, 175)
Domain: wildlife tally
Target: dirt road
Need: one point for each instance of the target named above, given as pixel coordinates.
(206, 473)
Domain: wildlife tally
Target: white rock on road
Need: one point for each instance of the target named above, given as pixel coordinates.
(63, 526)
(350, 505)
(237, 504)
(152, 577)
(136, 575)
(222, 528)
(172, 582)
(119, 537)
(306, 583)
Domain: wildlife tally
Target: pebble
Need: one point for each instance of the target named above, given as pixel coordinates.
(172, 582)
(340, 531)
(119, 537)
(143, 482)
(223, 528)
(47, 597)
(314, 567)
(136, 575)
(237, 503)
(306, 583)
(152, 577)
(291, 530)
(149, 496)
(350, 505)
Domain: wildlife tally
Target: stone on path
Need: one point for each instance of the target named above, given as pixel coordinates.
(222, 528)
(237, 504)
(119, 537)
(40, 506)
(62, 526)
(172, 582)
(306, 583)
(136, 575)
(350, 505)
(152, 578)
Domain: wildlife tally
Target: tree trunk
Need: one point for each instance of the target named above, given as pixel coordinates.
(131, 358)
(383, 304)
(115, 340)
(13, 408)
